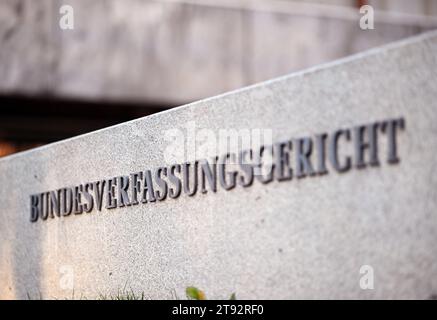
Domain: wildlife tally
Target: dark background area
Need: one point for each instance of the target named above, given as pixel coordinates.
(28, 122)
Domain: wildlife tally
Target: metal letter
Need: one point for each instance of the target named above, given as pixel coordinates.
(304, 149)
(333, 151)
(390, 127)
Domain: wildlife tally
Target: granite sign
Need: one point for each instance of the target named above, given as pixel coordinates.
(346, 186)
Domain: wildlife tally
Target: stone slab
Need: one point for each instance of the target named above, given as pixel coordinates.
(302, 238)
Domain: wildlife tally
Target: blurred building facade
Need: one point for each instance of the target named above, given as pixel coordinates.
(129, 58)
(419, 7)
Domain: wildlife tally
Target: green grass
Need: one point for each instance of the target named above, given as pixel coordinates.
(124, 295)
(192, 293)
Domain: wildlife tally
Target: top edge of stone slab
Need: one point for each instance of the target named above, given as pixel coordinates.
(341, 12)
(411, 41)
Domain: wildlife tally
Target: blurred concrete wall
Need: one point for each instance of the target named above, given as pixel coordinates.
(419, 7)
(177, 51)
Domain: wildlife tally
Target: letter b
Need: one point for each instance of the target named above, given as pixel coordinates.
(34, 208)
